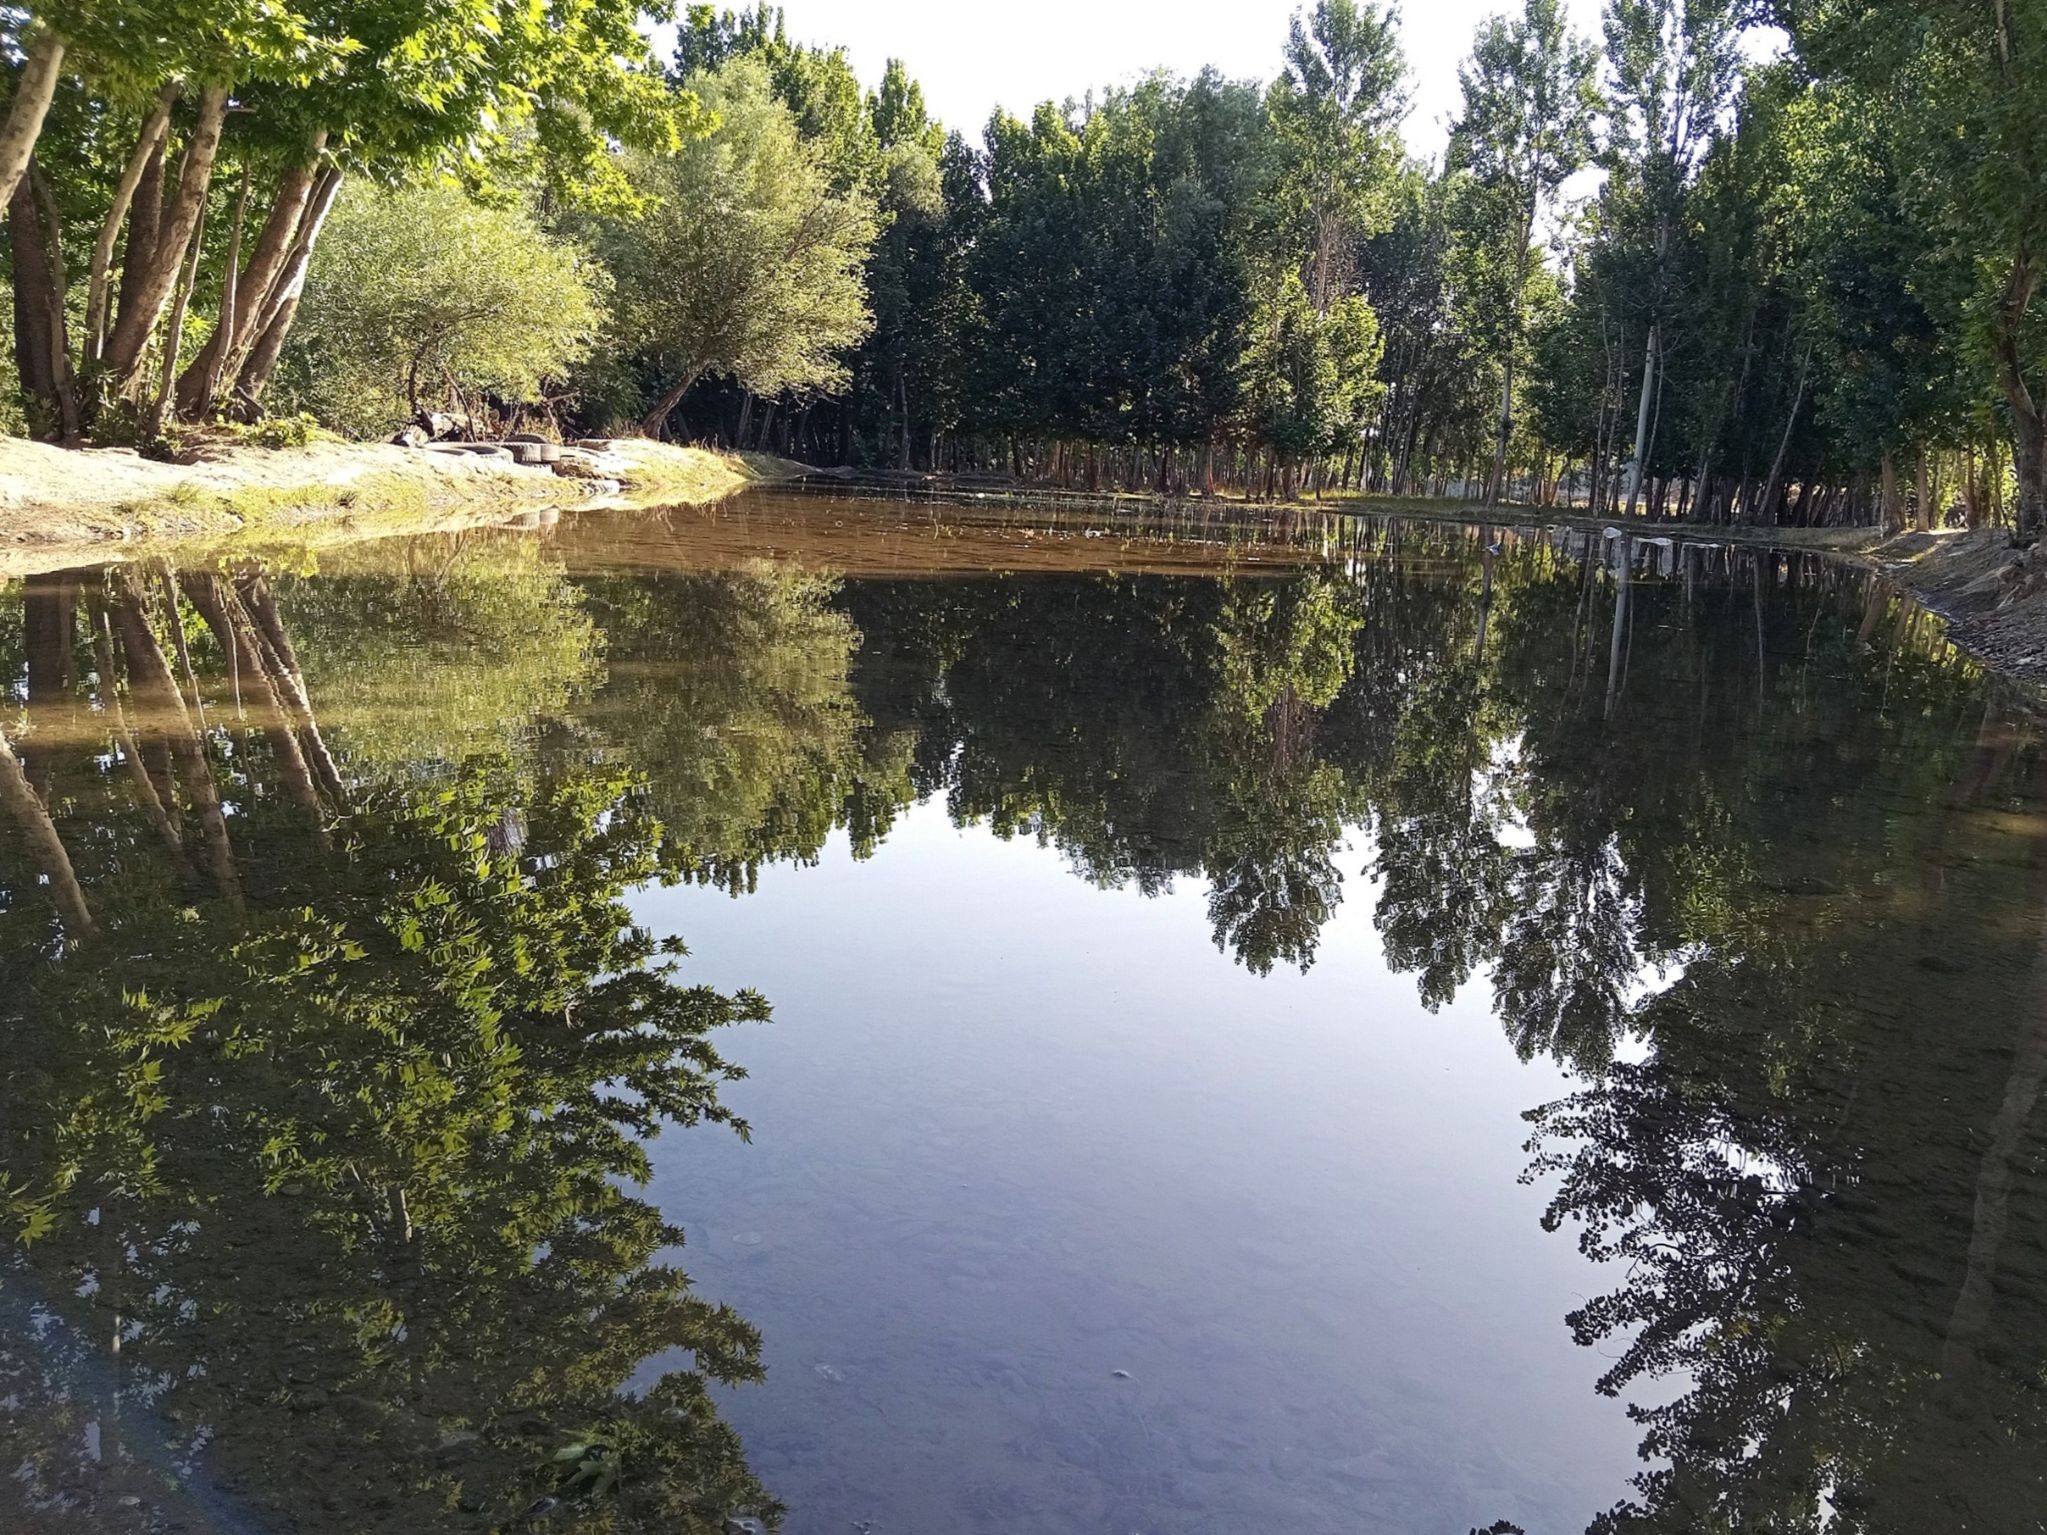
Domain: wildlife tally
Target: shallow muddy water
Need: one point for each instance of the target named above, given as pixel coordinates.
(873, 1016)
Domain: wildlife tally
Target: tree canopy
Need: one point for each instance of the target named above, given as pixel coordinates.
(1685, 269)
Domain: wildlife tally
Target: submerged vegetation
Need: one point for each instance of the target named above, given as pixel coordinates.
(1762, 261)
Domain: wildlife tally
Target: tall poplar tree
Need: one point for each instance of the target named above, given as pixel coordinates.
(1336, 112)
(1526, 126)
(1672, 65)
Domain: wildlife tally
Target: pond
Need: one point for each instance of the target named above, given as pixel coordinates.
(869, 1015)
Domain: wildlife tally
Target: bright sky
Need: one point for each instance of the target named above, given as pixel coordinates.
(970, 58)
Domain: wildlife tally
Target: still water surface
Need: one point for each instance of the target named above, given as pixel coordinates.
(1298, 1025)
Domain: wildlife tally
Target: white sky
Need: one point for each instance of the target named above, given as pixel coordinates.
(970, 58)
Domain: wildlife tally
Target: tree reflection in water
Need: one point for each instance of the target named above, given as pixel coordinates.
(1763, 870)
(322, 1123)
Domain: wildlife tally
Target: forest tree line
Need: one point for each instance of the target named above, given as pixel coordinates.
(1799, 290)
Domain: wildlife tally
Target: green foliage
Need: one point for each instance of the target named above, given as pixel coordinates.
(1336, 112)
(284, 431)
(745, 263)
(424, 299)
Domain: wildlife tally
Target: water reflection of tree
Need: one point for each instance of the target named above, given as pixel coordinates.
(1794, 1181)
(731, 694)
(1813, 1168)
(1150, 728)
(1758, 838)
(429, 649)
(325, 1106)
(1283, 653)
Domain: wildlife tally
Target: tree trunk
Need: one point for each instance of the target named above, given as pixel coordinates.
(162, 817)
(267, 345)
(41, 355)
(64, 385)
(49, 606)
(44, 845)
(145, 219)
(655, 422)
(255, 288)
(283, 663)
(1650, 359)
(2029, 431)
(166, 263)
(148, 148)
(221, 607)
(222, 342)
(1888, 495)
(903, 415)
(1774, 487)
(163, 706)
(1922, 497)
(33, 90)
(49, 611)
(1617, 648)
(174, 335)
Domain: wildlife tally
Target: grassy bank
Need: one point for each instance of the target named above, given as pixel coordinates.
(62, 506)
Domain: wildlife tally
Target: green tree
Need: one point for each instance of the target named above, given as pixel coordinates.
(816, 84)
(196, 276)
(1336, 110)
(1526, 125)
(1310, 378)
(424, 298)
(1671, 66)
(1959, 95)
(745, 263)
(908, 277)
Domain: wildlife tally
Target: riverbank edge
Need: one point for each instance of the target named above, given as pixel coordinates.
(63, 507)
(1991, 595)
